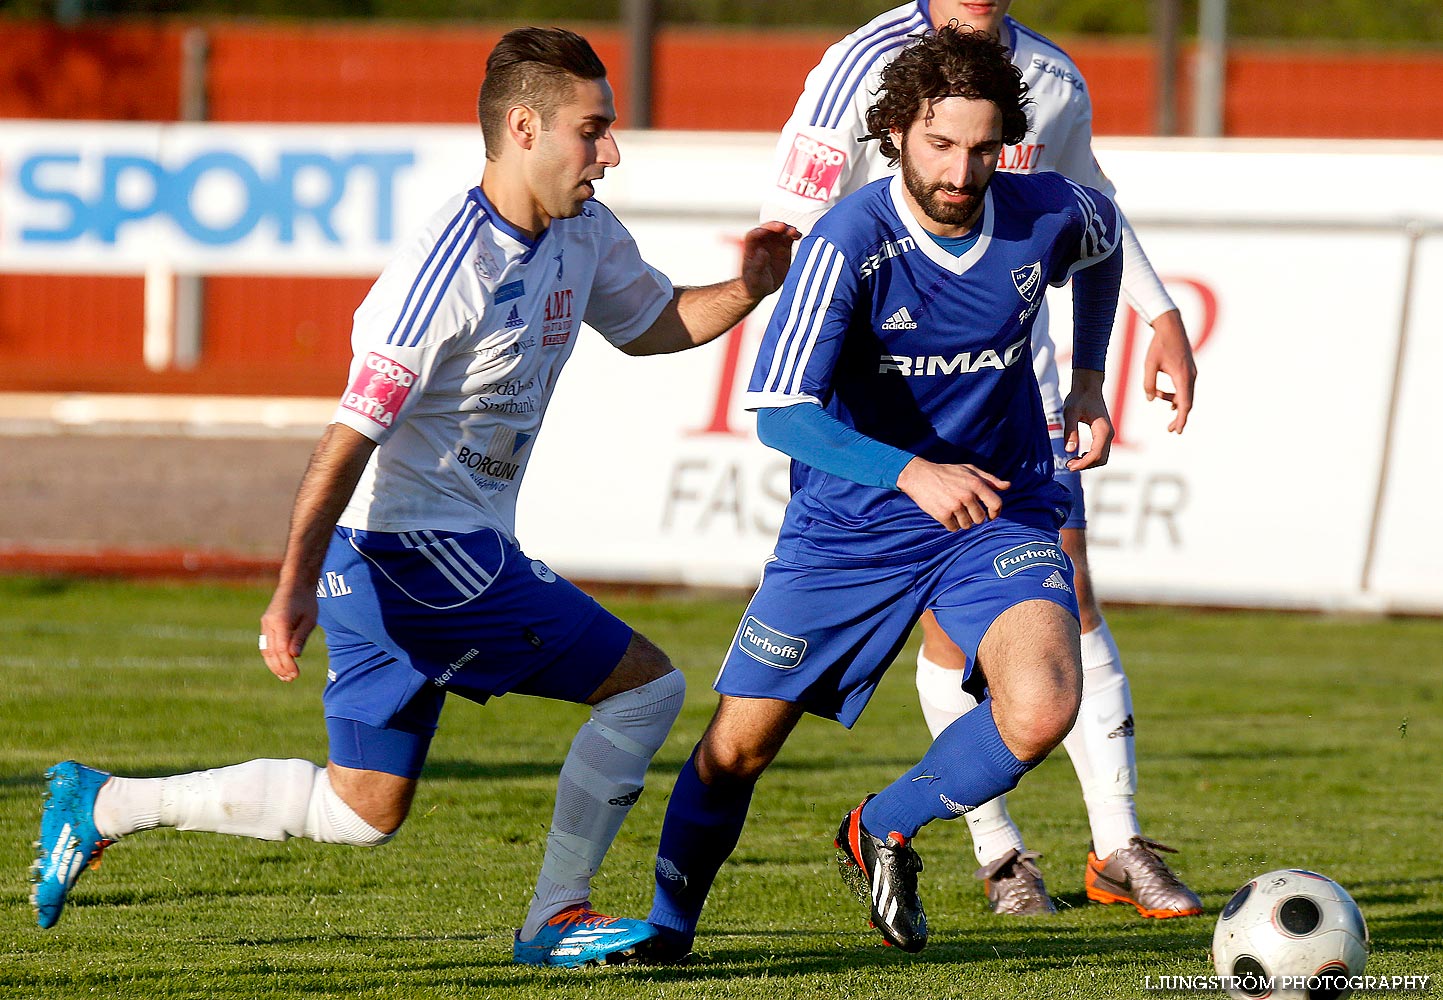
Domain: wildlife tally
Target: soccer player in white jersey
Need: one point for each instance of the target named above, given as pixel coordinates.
(402, 537)
(818, 161)
(896, 373)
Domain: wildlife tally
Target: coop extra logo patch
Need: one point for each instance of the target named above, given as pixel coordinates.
(379, 389)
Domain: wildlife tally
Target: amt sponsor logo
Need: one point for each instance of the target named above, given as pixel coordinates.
(1028, 555)
(766, 644)
(1024, 157)
(216, 197)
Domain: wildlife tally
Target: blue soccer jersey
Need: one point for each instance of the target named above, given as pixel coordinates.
(924, 351)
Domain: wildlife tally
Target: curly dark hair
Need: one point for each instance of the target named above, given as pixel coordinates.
(949, 61)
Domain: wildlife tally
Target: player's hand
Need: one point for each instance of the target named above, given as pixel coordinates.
(1171, 353)
(766, 255)
(957, 496)
(1086, 405)
(285, 626)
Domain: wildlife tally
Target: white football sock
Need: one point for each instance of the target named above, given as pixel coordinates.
(939, 692)
(944, 702)
(264, 799)
(1101, 744)
(125, 805)
(601, 779)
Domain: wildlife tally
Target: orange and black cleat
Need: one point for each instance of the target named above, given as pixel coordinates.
(1137, 875)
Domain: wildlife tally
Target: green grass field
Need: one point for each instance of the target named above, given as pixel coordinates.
(1265, 741)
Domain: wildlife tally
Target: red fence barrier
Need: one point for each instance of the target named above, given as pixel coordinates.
(289, 335)
(705, 79)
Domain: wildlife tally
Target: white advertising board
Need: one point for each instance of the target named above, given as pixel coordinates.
(1266, 499)
(208, 199)
(1296, 303)
(1404, 572)
(1306, 477)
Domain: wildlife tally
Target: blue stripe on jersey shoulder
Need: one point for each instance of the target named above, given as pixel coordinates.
(445, 257)
(476, 195)
(846, 77)
(533, 247)
(1022, 29)
(457, 259)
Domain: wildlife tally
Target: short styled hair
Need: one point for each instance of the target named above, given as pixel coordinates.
(949, 61)
(537, 67)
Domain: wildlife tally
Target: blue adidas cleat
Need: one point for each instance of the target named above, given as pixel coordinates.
(69, 842)
(580, 936)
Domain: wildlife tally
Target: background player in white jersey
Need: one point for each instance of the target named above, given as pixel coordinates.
(895, 371)
(406, 515)
(819, 160)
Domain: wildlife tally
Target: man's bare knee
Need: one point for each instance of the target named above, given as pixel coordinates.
(642, 663)
(1034, 672)
(1037, 728)
(728, 762)
(743, 738)
(1033, 727)
(383, 800)
(730, 753)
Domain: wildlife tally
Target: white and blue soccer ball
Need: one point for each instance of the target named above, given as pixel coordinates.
(1290, 935)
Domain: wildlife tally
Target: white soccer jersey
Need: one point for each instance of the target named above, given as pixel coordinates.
(456, 350)
(819, 159)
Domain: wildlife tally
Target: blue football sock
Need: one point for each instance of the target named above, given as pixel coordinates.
(967, 765)
(702, 826)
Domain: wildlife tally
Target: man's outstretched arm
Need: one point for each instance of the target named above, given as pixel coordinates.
(696, 316)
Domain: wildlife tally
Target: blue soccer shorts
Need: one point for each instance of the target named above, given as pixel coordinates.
(822, 636)
(1071, 481)
(413, 616)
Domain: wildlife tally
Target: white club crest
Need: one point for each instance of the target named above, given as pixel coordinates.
(486, 265)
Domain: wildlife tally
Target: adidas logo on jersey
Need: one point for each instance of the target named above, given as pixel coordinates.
(1056, 582)
(900, 320)
(514, 320)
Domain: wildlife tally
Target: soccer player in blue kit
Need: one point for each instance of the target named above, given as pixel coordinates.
(402, 542)
(896, 372)
(819, 161)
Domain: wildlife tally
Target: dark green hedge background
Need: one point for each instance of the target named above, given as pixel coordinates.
(1405, 22)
